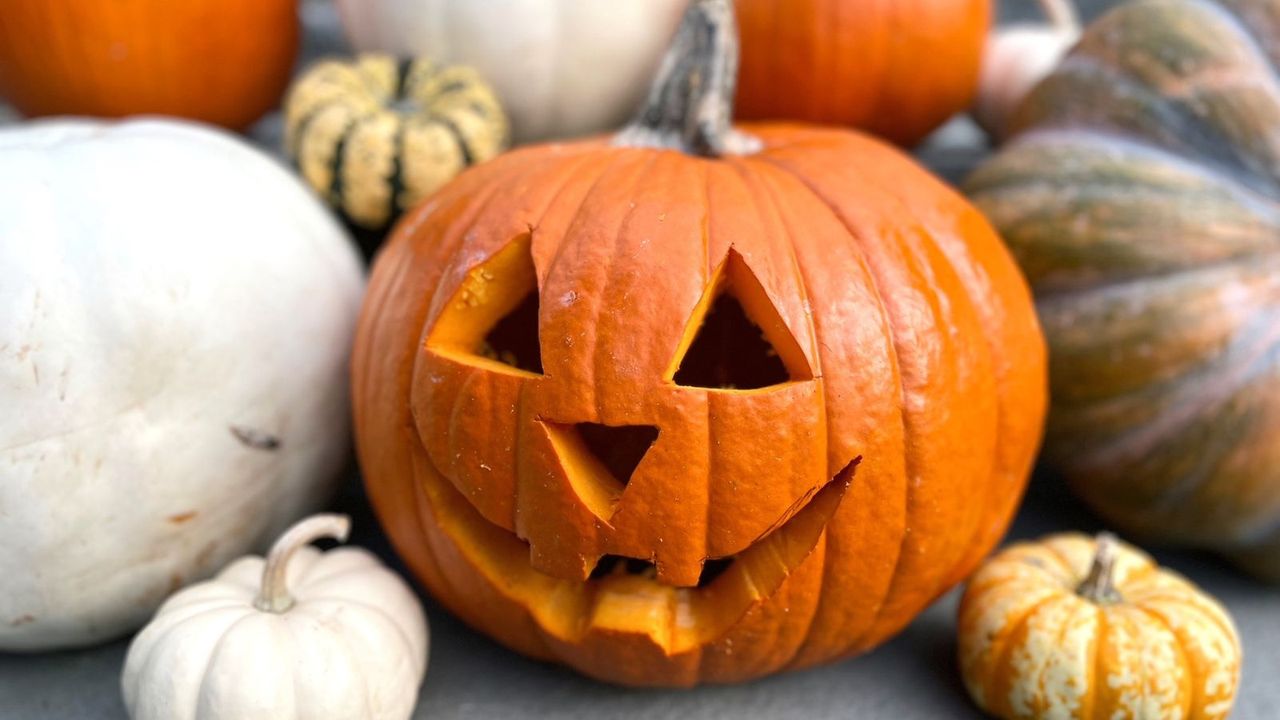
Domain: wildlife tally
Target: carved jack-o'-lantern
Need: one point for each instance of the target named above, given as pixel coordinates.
(672, 419)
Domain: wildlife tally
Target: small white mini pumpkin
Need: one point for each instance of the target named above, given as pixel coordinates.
(303, 634)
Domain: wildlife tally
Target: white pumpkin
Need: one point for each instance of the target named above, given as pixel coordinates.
(175, 316)
(562, 68)
(303, 634)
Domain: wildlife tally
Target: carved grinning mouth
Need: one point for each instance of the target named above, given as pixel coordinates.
(622, 596)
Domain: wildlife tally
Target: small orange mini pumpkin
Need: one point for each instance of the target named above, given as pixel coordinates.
(696, 406)
(896, 68)
(1078, 629)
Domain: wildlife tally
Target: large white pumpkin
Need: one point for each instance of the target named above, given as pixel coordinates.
(562, 68)
(175, 316)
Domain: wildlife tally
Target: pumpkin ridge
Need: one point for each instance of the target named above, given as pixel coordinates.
(351, 653)
(572, 217)
(999, 672)
(909, 461)
(1192, 136)
(246, 614)
(759, 190)
(637, 172)
(1069, 137)
(1189, 393)
(380, 612)
(1195, 697)
(951, 265)
(1245, 33)
(1095, 668)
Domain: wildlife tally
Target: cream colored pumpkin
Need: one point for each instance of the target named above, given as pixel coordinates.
(562, 68)
(301, 634)
(175, 316)
(1075, 629)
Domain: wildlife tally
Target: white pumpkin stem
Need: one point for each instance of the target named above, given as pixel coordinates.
(1099, 586)
(690, 106)
(274, 596)
(1062, 15)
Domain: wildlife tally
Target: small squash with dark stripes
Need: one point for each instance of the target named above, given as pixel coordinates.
(376, 135)
(1141, 195)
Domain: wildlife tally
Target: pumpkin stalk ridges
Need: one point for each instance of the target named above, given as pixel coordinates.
(690, 106)
(274, 596)
(1099, 586)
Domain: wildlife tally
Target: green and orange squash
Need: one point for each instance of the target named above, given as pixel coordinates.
(1141, 195)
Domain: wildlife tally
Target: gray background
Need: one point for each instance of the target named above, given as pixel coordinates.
(912, 677)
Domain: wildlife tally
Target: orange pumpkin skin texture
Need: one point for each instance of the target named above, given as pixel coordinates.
(1150, 647)
(1141, 195)
(838, 482)
(896, 68)
(224, 62)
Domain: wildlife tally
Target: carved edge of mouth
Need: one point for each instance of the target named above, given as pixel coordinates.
(674, 619)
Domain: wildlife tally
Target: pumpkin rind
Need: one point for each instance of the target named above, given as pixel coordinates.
(1142, 198)
(218, 61)
(897, 69)
(1031, 646)
(375, 136)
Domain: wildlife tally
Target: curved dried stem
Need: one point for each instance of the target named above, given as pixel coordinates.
(274, 595)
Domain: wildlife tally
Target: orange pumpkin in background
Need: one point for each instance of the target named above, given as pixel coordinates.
(220, 61)
(896, 68)
(696, 405)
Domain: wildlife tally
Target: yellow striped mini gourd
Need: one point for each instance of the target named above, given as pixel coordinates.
(1069, 628)
(376, 135)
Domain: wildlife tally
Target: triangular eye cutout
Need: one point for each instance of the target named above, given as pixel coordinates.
(600, 459)
(736, 339)
(514, 340)
(492, 320)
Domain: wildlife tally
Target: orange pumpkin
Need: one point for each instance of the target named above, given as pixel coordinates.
(220, 61)
(896, 68)
(671, 418)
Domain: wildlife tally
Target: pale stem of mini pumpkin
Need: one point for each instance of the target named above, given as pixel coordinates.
(274, 595)
(1099, 586)
(690, 106)
(1062, 15)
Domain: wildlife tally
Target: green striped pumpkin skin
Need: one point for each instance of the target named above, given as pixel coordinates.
(1141, 196)
(376, 135)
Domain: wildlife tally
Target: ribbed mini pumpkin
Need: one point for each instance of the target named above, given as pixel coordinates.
(1142, 198)
(376, 135)
(1076, 629)
(695, 405)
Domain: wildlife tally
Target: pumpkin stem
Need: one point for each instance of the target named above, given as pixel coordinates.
(274, 596)
(690, 106)
(1062, 15)
(1099, 586)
